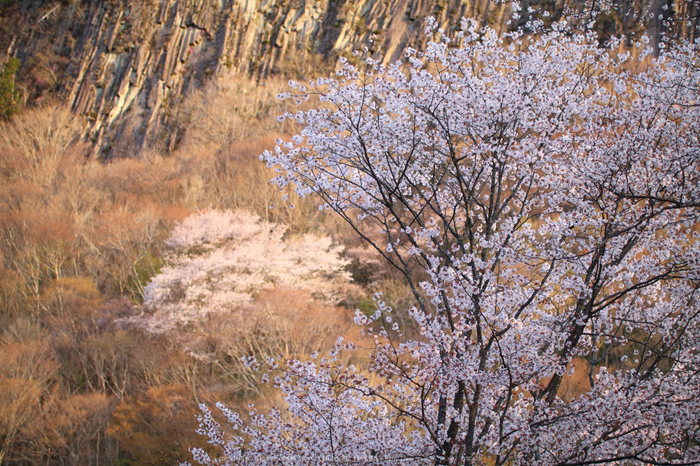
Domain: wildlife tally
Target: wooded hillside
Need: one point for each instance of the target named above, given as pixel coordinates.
(144, 253)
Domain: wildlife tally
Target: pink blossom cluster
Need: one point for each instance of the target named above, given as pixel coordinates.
(219, 260)
(540, 195)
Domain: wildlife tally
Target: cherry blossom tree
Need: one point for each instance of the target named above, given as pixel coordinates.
(541, 199)
(219, 260)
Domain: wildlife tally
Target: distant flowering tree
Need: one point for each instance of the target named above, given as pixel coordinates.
(219, 260)
(548, 200)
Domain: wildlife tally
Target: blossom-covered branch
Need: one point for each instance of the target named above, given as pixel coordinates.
(541, 200)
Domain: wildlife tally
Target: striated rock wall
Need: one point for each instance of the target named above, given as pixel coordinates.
(125, 65)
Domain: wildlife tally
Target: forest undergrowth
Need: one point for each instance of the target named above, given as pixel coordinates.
(80, 239)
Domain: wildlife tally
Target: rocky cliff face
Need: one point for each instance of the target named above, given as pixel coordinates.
(125, 65)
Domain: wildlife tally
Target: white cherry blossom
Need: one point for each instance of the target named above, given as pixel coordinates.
(541, 199)
(218, 261)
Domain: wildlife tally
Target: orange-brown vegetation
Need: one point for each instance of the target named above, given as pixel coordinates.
(79, 240)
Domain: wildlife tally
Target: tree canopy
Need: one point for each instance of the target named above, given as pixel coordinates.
(219, 260)
(540, 195)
